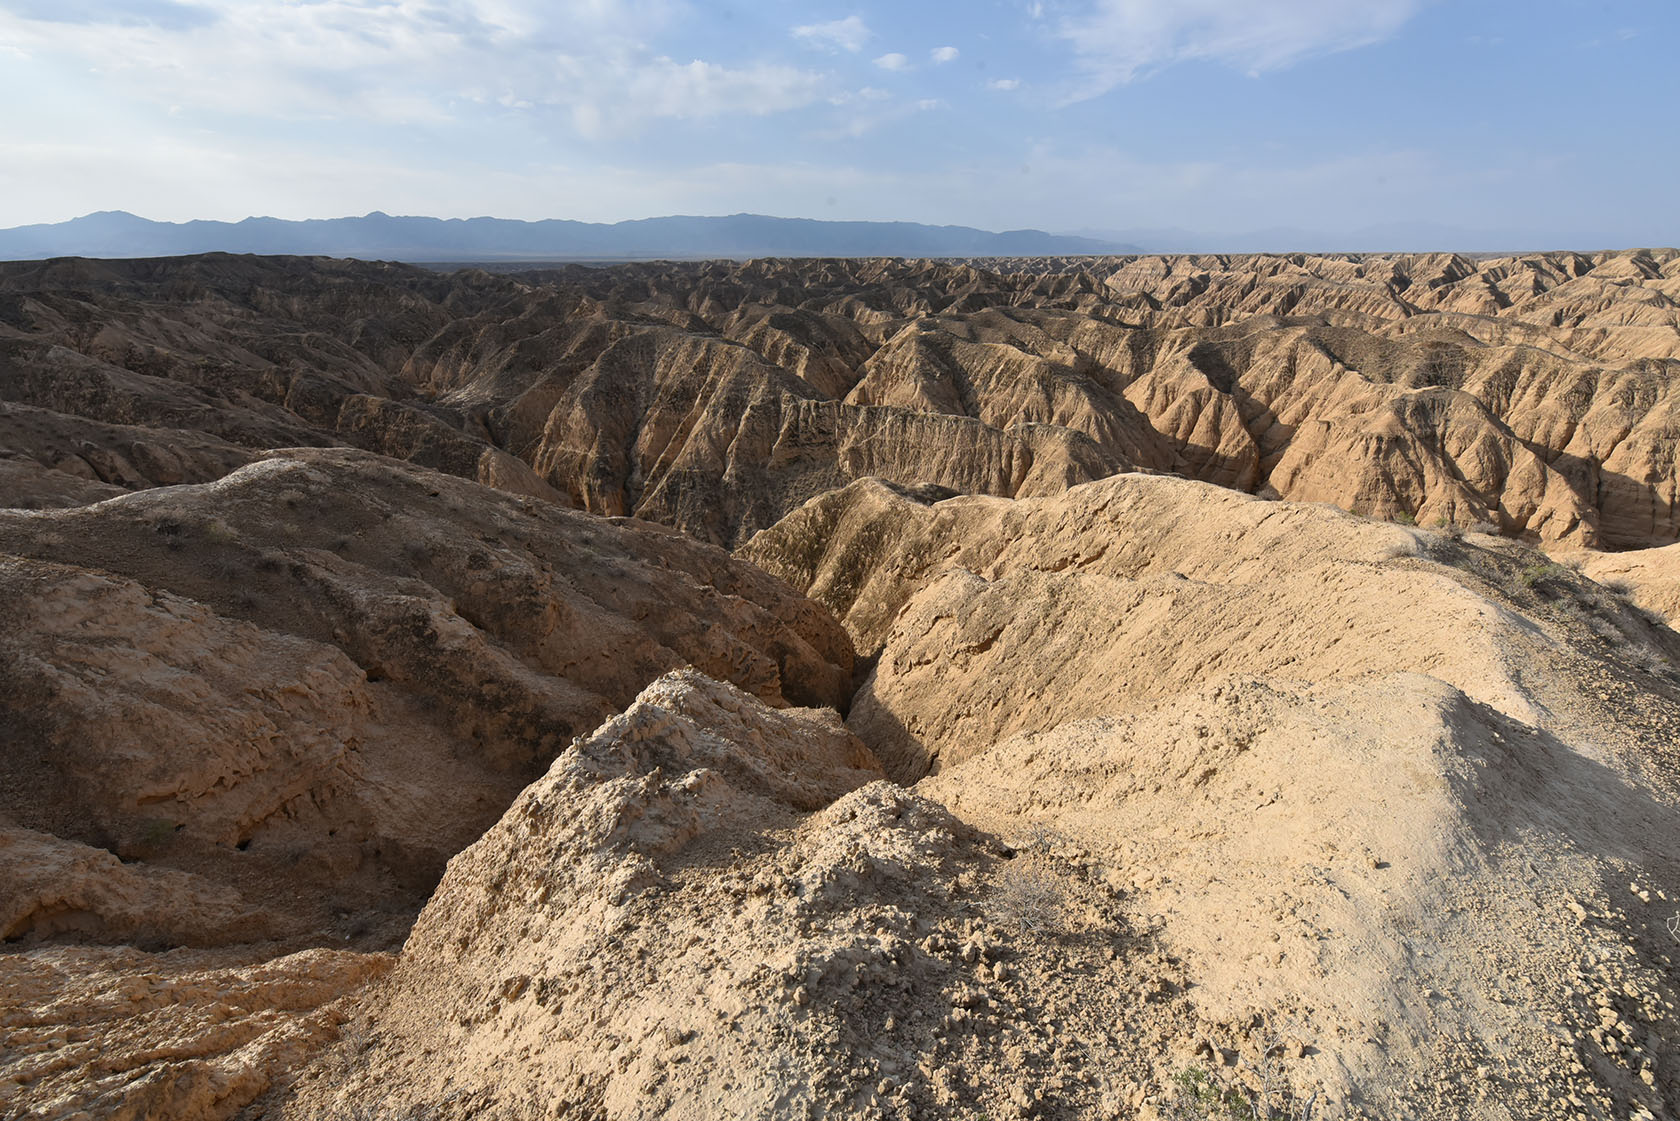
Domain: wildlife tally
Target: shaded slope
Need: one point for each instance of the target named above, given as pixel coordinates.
(334, 670)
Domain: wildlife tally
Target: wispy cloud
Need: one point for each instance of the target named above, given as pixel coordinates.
(893, 61)
(1004, 84)
(849, 34)
(944, 54)
(867, 93)
(584, 61)
(1117, 41)
(865, 118)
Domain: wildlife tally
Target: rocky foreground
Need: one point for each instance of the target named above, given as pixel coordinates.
(1136, 689)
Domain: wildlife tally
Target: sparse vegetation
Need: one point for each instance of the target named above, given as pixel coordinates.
(1030, 893)
(1200, 1097)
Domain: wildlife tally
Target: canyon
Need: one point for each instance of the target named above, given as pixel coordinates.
(1019, 687)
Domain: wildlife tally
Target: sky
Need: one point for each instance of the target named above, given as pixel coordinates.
(1548, 120)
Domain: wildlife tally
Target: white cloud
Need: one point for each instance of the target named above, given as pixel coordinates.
(411, 61)
(849, 34)
(1004, 83)
(893, 61)
(944, 54)
(865, 118)
(864, 94)
(1117, 41)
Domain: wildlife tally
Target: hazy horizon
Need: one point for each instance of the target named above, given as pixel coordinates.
(1401, 237)
(1209, 118)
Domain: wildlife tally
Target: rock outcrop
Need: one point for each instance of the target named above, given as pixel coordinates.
(990, 617)
(333, 670)
(191, 1035)
(1534, 394)
(399, 773)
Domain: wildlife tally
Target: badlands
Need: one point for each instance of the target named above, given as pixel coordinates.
(1155, 687)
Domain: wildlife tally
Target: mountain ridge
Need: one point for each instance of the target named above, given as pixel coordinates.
(119, 234)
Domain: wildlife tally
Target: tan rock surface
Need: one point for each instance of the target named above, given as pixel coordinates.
(1533, 393)
(1648, 577)
(992, 617)
(1433, 909)
(328, 672)
(114, 1032)
(1342, 811)
(670, 924)
(1335, 887)
(261, 713)
(594, 910)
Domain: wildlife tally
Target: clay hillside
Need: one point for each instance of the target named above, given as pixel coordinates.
(1135, 687)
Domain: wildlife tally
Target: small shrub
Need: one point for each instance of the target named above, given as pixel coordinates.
(1199, 1096)
(1406, 517)
(227, 568)
(1263, 1095)
(1030, 895)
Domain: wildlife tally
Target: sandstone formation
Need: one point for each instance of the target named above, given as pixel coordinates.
(115, 1032)
(1037, 753)
(264, 711)
(340, 666)
(1530, 393)
(1399, 842)
(1385, 893)
(991, 617)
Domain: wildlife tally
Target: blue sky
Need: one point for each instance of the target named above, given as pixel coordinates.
(1555, 119)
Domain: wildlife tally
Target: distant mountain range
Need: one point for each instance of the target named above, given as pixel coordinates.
(116, 233)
